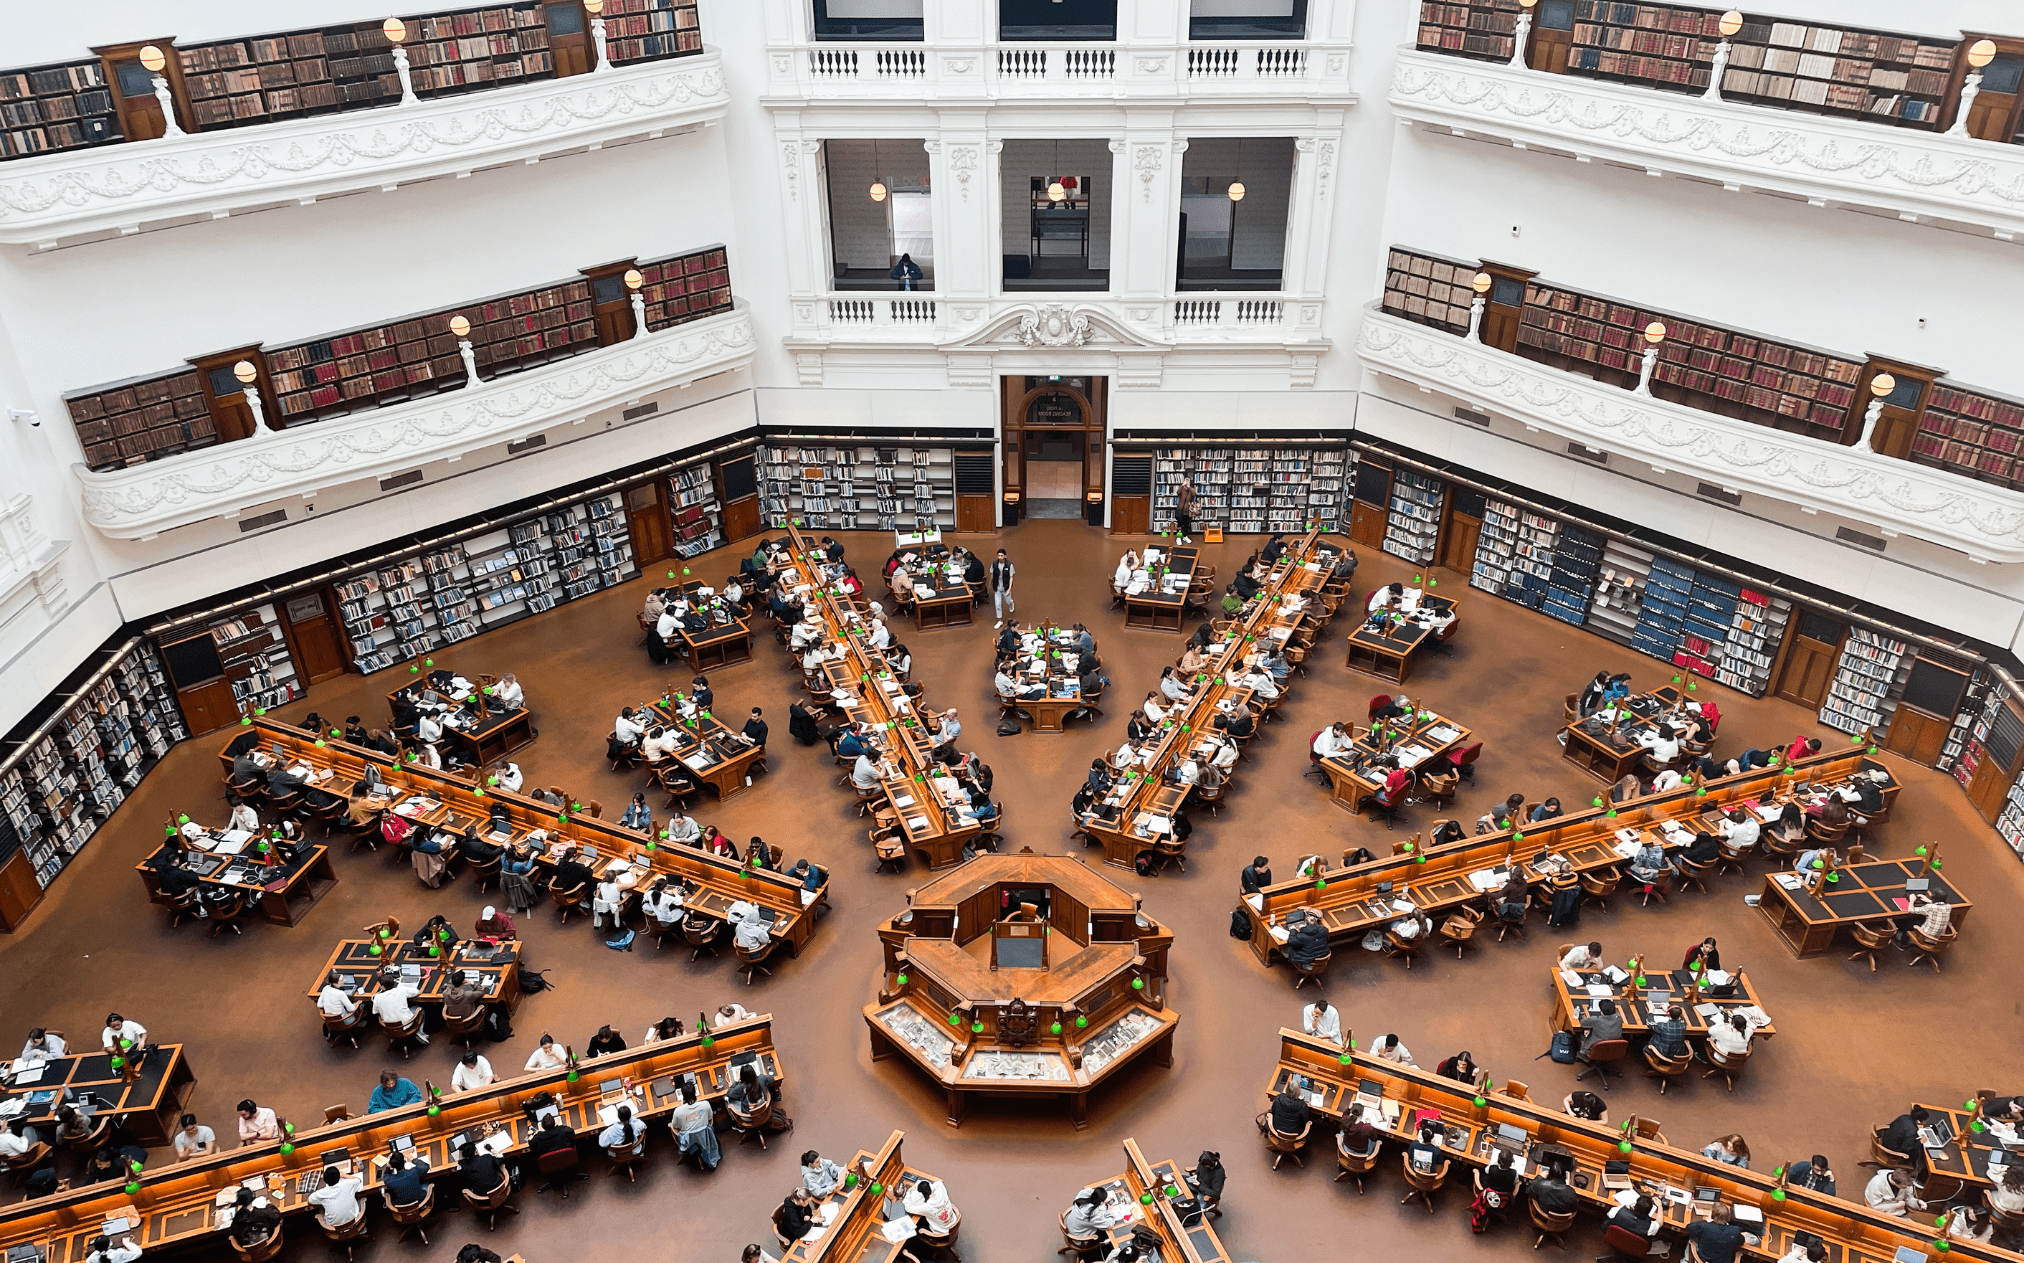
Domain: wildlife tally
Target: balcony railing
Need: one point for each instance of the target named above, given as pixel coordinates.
(930, 322)
(1826, 160)
(1049, 71)
(46, 200)
(1985, 522)
(141, 501)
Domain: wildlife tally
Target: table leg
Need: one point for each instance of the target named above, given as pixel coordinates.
(959, 1101)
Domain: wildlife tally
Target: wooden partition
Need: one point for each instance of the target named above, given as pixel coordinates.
(854, 1236)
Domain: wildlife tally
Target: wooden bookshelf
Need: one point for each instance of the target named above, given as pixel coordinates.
(639, 30)
(1477, 28)
(1884, 77)
(1429, 288)
(1251, 490)
(1972, 432)
(858, 488)
(145, 418)
(44, 109)
(685, 287)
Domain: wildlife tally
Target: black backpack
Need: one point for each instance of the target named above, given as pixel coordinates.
(1240, 924)
(498, 1027)
(1010, 728)
(1564, 1045)
(534, 980)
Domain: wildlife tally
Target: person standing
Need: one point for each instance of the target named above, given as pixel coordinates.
(1186, 502)
(1002, 571)
(906, 272)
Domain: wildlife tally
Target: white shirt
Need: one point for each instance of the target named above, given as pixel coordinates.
(1885, 1196)
(864, 773)
(338, 1203)
(880, 637)
(1397, 1054)
(607, 897)
(243, 818)
(13, 1146)
(391, 1003)
(749, 931)
(1744, 835)
(1323, 1020)
(129, 1030)
(510, 777)
(1378, 600)
(1153, 710)
(1668, 779)
(1727, 1040)
(52, 1047)
(124, 1252)
(665, 907)
(1328, 742)
(627, 730)
(1124, 572)
(937, 1210)
(466, 1078)
(511, 696)
(427, 728)
(333, 1002)
(546, 1057)
(1226, 757)
(1578, 958)
(1664, 749)
(668, 624)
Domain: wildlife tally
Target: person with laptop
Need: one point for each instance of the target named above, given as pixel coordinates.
(406, 1180)
(625, 1130)
(1600, 1025)
(104, 1249)
(1716, 1239)
(1635, 1218)
(693, 1123)
(42, 1046)
(1935, 915)
(1902, 1133)
(1289, 1115)
(391, 1004)
(254, 1219)
(337, 1201)
(750, 930)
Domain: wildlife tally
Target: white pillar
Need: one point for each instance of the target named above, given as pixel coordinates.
(168, 104)
(1870, 417)
(1971, 88)
(470, 359)
(407, 78)
(639, 306)
(597, 38)
(1714, 92)
(1524, 33)
(252, 394)
(1476, 318)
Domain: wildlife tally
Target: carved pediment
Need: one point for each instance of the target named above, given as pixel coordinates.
(1049, 325)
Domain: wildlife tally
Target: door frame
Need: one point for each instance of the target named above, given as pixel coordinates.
(1015, 397)
(1790, 646)
(663, 519)
(294, 642)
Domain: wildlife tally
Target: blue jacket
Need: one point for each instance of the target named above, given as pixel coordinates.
(403, 1092)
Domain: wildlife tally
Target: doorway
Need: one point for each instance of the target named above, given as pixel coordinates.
(1457, 550)
(1809, 667)
(313, 639)
(648, 525)
(1054, 444)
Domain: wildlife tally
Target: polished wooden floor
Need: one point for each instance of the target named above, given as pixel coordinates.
(1852, 1047)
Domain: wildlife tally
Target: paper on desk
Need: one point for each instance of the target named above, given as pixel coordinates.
(1626, 835)
(1404, 905)
(1257, 902)
(1489, 879)
(497, 1143)
(1598, 991)
(1160, 824)
(1571, 978)
(1628, 850)
(1788, 880)
(1615, 975)
(898, 1230)
(903, 800)
(917, 823)
(1280, 933)
(695, 762)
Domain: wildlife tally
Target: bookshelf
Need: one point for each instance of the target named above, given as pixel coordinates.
(685, 287)
(143, 419)
(1750, 649)
(1866, 681)
(694, 511)
(1668, 587)
(1252, 490)
(1478, 28)
(638, 30)
(62, 778)
(1900, 79)
(1514, 554)
(1429, 289)
(1413, 522)
(1619, 591)
(858, 488)
(255, 658)
(2010, 824)
(1577, 556)
(1971, 724)
(44, 109)
(1972, 432)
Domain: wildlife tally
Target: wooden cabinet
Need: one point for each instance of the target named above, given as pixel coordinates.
(1130, 515)
(209, 706)
(19, 891)
(611, 301)
(1897, 425)
(1504, 305)
(1994, 113)
(976, 513)
(1814, 650)
(568, 38)
(1552, 36)
(1917, 735)
(133, 87)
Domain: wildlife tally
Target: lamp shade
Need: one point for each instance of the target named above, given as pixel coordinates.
(1882, 384)
(1732, 21)
(878, 191)
(1481, 284)
(1655, 333)
(460, 326)
(1981, 53)
(245, 372)
(633, 279)
(394, 29)
(152, 59)
(1056, 190)
(593, 7)
(1528, 3)
(1236, 190)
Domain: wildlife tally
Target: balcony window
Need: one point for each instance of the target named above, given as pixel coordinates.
(1247, 19)
(881, 220)
(868, 19)
(1056, 202)
(1234, 243)
(1057, 19)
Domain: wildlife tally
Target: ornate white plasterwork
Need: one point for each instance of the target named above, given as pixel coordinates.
(45, 199)
(160, 495)
(1826, 159)
(1983, 521)
(1054, 326)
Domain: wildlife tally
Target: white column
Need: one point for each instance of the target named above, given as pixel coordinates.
(1145, 218)
(806, 221)
(963, 179)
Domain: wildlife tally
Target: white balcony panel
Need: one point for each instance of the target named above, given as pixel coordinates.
(1044, 73)
(1983, 521)
(144, 500)
(129, 185)
(1826, 160)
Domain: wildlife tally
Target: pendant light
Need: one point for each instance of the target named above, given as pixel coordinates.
(878, 188)
(1055, 192)
(1237, 186)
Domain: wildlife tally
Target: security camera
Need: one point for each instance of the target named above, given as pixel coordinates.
(30, 415)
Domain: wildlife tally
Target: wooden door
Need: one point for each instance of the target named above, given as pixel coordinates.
(133, 88)
(1998, 768)
(1373, 501)
(1917, 735)
(1131, 493)
(738, 491)
(314, 640)
(1552, 36)
(976, 491)
(1809, 665)
(209, 706)
(568, 38)
(225, 394)
(646, 520)
(741, 519)
(611, 301)
(1897, 425)
(19, 891)
(1994, 112)
(1504, 305)
(1458, 543)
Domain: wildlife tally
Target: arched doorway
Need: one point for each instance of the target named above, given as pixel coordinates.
(1054, 443)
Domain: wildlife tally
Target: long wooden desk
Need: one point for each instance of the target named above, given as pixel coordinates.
(1158, 608)
(149, 1104)
(1611, 754)
(718, 646)
(870, 1195)
(1054, 672)
(176, 1205)
(450, 802)
(715, 754)
(282, 893)
(1852, 1231)
(1435, 879)
(948, 607)
(497, 970)
(1352, 779)
(1167, 1183)
(1141, 794)
(1966, 1156)
(482, 741)
(1631, 1000)
(1875, 891)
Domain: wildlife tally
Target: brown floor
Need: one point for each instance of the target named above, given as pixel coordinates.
(1852, 1048)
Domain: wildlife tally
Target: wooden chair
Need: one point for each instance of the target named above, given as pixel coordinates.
(466, 1030)
(1646, 1128)
(1600, 1056)
(265, 1250)
(1313, 973)
(1728, 1067)
(1881, 1155)
(701, 936)
(1598, 886)
(940, 1241)
(414, 1217)
(627, 1158)
(403, 1034)
(1406, 949)
(750, 1124)
(1666, 1069)
(753, 963)
(1211, 796)
(1459, 928)
(350, 1234)
(1438, 791)
(336, 1113)
(1282, 1146)
(1825, 834)
(1553, 1224)
(1081, 1247)
(91, 1141)
(180, 906)
(30, 1158)
(391, 926)
(1870, 939)
(336, 1028)
(1927, 948)
(2008, 1222)
(1656, 889)
(228, 915)
(1570, 709)
(1692, 874)
(1507, 925)
(1731, 859)
(1359, 1165)
(575, 899)
(1423, 1184)
(559, 1165)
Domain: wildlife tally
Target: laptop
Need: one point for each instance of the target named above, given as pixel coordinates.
(1937, 1135)
(1513, 1133)
(280, 752)
(610, 1087)
(1918, 885)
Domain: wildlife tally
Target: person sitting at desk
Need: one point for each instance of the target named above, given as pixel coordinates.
(554, 1138)
(659, 745)
(865, 774)
(626, 732)
(473, 1071)
(1601, 1025)
(750, 932)
(192, 1140)
(1089, 1215)
(1243, 586)
(948, 729)
(2008, 1194)
(1174, 687)
(495, 925)
(693, 1124)
(1649, 864)
(104, 1249)
(243, 818)
(625, 1130)
(1461, 1067)
(337, 1200)
(1424, 1150)
(1704, 849)
(1127, 566)
(681, 828)
(606, 1041)
(661, 1032)
(663, 902)
(797, 1215)
(546, 1056)
(849, 741)
(1636, 1218)
(1549, 1191)
(479, 850)
(1193, 660)
(1741, 828)
(42, 1046)
(759, 854)
(392, 1092)
(1257, 679)
(901, 660)
(332, 1000)
(1892, 1191)
(463, 997)
(1583, 956)
(1748, 761)
(1289, 1113)
(637, 816)
(1716, 1239)
(1385, 597)
(1663, 742)
(717, 844)
(175, 881)
(1333, 740)
(1669, 1033)
(1240, 722)
(754, 730)
(1139, 726)
(1009, 685)
(1810, 1173)
(1256, 876)
(1728, 1039)
(1704, 955)
(1323, 1021)
(1669, 779)
(508, 694)
(256, 1123)
(391, 1005)
(436, 931)
(1587, 1106)
(1935, 915)
(928, 1202)
(1306, 939)
(120, 1034)
(1499, 1189)
(571, 873)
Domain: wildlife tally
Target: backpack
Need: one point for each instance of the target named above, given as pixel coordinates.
(498, 1027)
(533, 981)
(1146, 865)
(1010, 728)
(1240, 925)
(623, 943)
(1564, 1045)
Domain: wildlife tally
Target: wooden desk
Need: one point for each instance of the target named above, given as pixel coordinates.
(498, 971)
(1853, 1232)
(1866, 892)
(1966, 1156)
(1350, 778)
(1155, 609)
(718, 646)
(1388, 656)
(1631, 1000)
(854, 1233)
(175, 1206)
(482, 741)
(149, 1104)
(1055, 669)
(1167, 1182)
(457, 803)
(1608, 755)
(282, 893)
(714, 754)
(1437, 879)
(948, 607)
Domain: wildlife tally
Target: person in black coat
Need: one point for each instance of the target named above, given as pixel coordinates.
(1703, 849)
(801, 724)
(1306, 942)
(477, 1171)
(1289, 1113)
(1256, 876)
(1902, 1136)
(797, 1214)
(755, 728)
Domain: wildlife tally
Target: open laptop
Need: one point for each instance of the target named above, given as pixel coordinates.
(1938, 1134)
